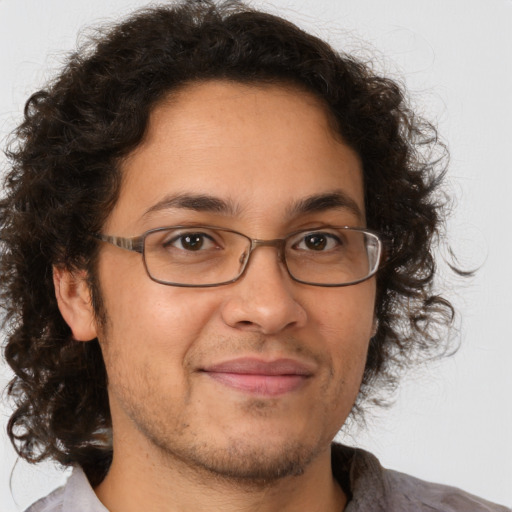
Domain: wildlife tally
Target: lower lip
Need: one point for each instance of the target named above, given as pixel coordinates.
(263, 385)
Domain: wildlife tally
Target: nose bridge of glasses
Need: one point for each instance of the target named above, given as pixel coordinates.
(278, 243)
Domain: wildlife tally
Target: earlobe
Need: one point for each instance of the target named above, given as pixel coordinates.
(75, 304)
(375, 327)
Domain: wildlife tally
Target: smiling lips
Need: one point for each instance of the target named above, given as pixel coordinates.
(260, 377)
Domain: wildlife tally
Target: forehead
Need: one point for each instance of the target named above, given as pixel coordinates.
(259, 148)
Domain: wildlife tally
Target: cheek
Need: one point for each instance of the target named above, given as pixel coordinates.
(346, 312)
(344, 319)
(145, 318)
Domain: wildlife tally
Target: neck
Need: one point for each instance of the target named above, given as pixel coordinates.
(141, 481)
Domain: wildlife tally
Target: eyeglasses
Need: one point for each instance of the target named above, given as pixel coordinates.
(205, 256)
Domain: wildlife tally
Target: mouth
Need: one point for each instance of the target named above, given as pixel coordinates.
(258, 377)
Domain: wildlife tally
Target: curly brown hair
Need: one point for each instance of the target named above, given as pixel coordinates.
(64, 178)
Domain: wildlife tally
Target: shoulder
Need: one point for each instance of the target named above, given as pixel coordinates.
(417, 494)
(76, 495)
(51, 503)
(375, 488)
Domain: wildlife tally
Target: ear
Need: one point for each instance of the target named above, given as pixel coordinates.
(75, 304)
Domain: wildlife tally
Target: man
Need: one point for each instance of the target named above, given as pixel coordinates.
(207, 269)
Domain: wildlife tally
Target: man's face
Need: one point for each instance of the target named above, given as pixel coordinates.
(177, 358)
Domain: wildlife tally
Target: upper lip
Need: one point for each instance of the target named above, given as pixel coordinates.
(256, 366)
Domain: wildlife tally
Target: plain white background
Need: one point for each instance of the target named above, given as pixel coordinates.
(452, 422)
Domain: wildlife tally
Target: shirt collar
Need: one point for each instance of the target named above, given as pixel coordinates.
(79, 495)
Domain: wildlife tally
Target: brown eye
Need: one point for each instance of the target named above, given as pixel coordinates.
(316, 242)
(192, 242)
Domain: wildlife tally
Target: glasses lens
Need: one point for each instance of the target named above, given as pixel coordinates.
(195, 256)
(332, 256)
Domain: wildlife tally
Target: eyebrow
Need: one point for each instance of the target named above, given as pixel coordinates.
(323, 202)
(196, 202)
(205, 203)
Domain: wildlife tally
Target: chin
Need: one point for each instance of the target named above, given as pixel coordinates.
(248, 459)
(255, 461)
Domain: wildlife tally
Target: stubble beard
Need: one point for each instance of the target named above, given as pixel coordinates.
(249, 459)
(244, 463)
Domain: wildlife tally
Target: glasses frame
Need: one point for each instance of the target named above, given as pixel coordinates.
(137, 244)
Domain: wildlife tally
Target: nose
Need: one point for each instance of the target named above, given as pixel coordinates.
(265, 298)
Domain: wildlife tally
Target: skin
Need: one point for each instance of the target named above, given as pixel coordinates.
(182, 439)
